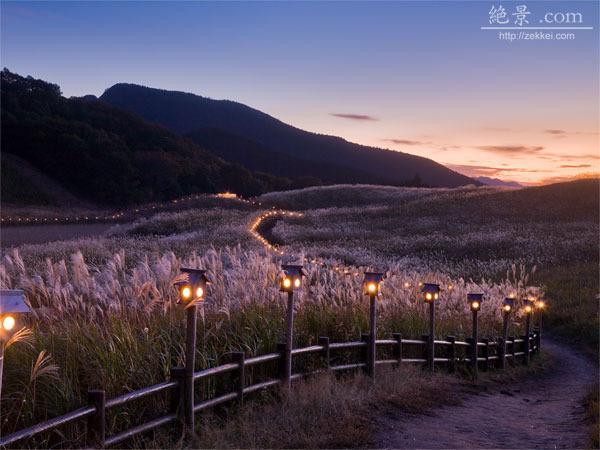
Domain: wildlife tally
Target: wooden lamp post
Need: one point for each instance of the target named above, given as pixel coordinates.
(12, 306)
(371, 287)
(290, 281)
(528, 309)
(431, 292)
(475, 305)
(507, 306)
(191, 284)
(540, 306)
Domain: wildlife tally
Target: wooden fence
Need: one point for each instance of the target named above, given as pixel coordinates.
(398, 351)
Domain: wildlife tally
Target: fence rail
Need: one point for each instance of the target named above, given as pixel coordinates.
(489, 353)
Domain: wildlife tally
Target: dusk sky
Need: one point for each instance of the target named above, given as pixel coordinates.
(423, 78)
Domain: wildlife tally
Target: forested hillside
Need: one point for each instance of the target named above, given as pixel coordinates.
(106, 155)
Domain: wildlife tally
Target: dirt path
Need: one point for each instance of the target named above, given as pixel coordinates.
(544, 413)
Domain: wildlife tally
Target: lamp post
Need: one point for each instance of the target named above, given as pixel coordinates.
(507, 306)
(540, 305)
(431, 292)
(475, 305)
(290, 281)
(191, 284)
(12, 306)
(371, 287)
(528, 308)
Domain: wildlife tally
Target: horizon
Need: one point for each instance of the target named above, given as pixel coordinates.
(517, 111)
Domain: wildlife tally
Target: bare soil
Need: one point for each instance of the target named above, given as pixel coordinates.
(545, 412)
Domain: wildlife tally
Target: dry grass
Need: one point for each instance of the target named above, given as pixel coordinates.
(326, 412)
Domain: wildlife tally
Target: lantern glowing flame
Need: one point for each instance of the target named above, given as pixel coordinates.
(8, 323)
(186, 293)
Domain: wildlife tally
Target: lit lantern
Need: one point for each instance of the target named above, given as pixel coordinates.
(12, 305)
(291, 279)
(431, 292)
(191, 284)
(508, 304)
(372, 283)
(475, 301)
(540, 304)
(528, 306)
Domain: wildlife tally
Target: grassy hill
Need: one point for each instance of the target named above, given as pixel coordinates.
(191, 114)
(105, 155)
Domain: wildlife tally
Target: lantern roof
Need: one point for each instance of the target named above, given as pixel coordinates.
(474, 297)
(431, 288)
(191, 276)
(13, 301)
(376, 277)
(293, 269)
(509, 301)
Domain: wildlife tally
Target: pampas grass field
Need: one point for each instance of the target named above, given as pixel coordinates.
(104, 307)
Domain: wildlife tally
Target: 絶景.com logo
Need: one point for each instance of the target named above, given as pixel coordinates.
(521, 16)
(544, 23)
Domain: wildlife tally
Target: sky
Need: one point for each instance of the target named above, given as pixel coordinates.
(418, 77)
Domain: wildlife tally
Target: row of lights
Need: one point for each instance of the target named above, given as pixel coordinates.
(121, 214)
(253, 228)
(192, 286)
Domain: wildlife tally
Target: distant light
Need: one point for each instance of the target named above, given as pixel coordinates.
(227, 195)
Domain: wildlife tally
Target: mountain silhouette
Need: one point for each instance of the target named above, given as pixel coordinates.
(264, 143)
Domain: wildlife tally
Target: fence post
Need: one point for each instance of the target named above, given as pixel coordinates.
(97, 421)
(282, 350)
(398, 338)
(486, 353)
(431, 344)
(175, 404)
(451, 354)
(425, 337)
(240, 381)
(324, 342)
(366, 337)
(475, 348)
(501, 353)
(372, 334)
(525, 338)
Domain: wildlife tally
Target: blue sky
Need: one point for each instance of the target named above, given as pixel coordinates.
(428, 78)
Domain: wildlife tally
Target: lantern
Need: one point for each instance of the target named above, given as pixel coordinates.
(475, 301)
(431, 292)
(291, 279)
(372, 283)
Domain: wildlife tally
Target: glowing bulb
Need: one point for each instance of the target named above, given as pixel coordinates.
(406, 284)
(528, 309)
(428, 296)
(475, 305)
(540, 304)
(199, 292)
(511, 295)
(372, 288)
(186, 293)
(297, 282)
(287, 283)
(8, 323)
(506, 308)
(435, 296)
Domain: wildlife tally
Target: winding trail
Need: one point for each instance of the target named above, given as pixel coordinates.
(545, 412)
